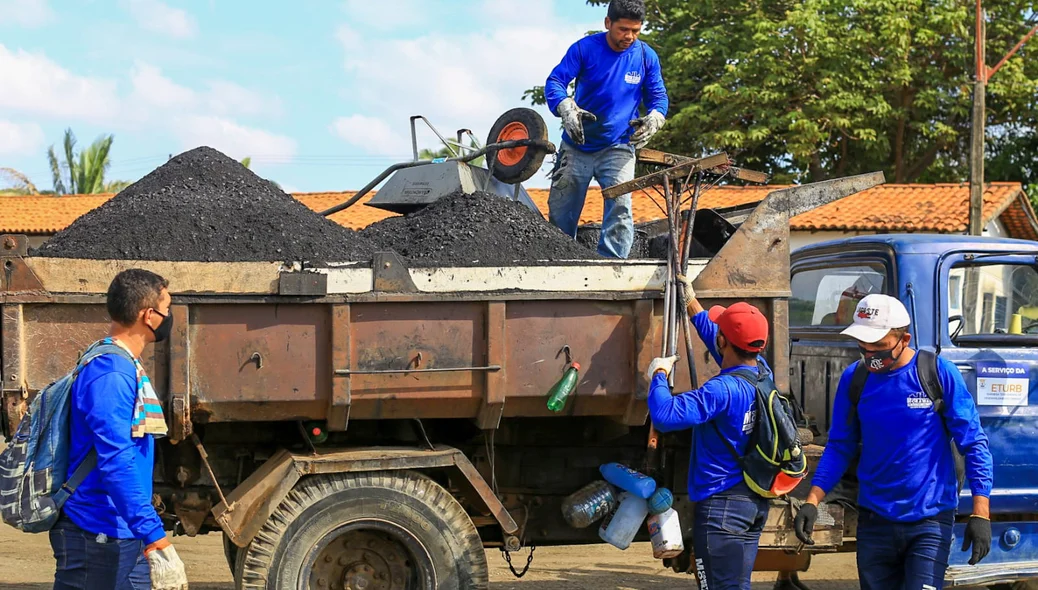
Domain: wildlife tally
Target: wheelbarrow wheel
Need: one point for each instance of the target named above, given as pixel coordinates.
(518, 164)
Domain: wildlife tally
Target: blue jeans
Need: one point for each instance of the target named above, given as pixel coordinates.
(569, 181)
(903, 555)
(89, 562)
(727, 528)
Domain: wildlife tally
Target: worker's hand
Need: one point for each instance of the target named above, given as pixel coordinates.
(167, 571)
(804, 523)
(978, 534)
(687, 290)
(665, 364)
(646, 127)
(573, 119)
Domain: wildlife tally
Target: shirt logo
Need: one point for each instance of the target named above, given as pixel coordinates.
(748, 421)
(633, 77)
(919, 401)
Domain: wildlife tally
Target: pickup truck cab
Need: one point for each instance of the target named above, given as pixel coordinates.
(973, 300)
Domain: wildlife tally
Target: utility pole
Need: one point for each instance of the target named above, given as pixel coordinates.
(983, 74)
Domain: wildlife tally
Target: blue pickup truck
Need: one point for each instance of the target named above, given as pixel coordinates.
(974, 301)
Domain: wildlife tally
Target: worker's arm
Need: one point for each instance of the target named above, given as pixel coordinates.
(107, 403)
(556, 88)
(963, 421)
(654, 92)
(706, 329)
(685, 410)
(844, 435)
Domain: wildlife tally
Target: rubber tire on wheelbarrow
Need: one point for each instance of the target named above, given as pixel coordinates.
(517, 165)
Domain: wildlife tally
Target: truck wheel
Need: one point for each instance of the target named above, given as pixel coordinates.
(385, 530)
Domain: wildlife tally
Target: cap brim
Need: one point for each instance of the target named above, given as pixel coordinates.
(715, 312)
(865, 334)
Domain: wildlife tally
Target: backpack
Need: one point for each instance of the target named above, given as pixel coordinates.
(34, 465)
(926, 371)
(775, 463)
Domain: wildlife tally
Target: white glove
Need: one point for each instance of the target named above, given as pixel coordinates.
(167, 571)
(665, 364)
(573, 119)
(646, 127)
(687, 289)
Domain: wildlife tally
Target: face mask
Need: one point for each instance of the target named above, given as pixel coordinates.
(879, 361)
(162, 332)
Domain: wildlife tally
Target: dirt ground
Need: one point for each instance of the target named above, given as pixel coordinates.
(27, 564)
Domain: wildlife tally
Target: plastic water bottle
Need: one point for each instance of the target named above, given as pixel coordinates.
(589, 504)
(660, 501)
(665, 533)
(559, 393)
(628, 479)
(619, 527)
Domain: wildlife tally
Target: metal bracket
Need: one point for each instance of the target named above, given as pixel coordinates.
(391, 274)
(303, 283)
(13, 246)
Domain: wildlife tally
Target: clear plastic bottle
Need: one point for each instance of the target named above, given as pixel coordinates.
(589, 504)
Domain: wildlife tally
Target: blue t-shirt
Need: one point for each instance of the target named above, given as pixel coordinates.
(115, 499)
(611, 85)
(906, 471)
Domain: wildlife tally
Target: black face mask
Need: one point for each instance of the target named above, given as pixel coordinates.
(880, 361)
(162, 332)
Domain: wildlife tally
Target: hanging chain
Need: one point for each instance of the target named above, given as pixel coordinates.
(529, 561)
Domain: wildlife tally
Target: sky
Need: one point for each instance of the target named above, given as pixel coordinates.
(318, 93)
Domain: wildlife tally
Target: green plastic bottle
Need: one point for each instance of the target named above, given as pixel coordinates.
(316, 432)
(559, 392)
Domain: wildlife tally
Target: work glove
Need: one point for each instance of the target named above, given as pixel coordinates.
(978, 534)
(573, 119)
(167, 571)
(646, 127)
(665, 364)
(804, 523)
(687, 289)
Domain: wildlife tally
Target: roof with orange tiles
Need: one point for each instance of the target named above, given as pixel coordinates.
(941, 208)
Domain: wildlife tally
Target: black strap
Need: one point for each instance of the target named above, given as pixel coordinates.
(752, 378)
(926, 371)
(81, 472)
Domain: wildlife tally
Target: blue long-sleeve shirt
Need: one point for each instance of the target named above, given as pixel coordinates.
(906, 471)
(707, 331)
(115, 499)
(611, 85)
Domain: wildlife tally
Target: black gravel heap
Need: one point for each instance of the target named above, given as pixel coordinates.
(204, 206)
(479, 229)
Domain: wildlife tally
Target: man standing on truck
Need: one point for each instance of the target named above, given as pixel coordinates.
(908, 486)
(729, 515)
(109, 536)
(615, 73)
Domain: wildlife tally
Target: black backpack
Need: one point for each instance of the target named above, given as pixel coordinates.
(774, 464)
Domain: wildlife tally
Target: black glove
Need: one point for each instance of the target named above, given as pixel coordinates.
(804, 523)
(978, 534)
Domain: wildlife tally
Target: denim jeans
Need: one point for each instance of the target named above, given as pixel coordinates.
(570, 178)
(87, 561)
(903, 555)
(727, 529)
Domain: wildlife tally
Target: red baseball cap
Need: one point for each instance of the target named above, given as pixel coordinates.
(742, 324)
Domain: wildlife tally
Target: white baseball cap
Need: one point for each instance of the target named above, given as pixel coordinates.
(875, 316)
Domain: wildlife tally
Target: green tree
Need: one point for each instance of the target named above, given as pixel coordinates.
(812, 89)
(16, 183)
(83, 172)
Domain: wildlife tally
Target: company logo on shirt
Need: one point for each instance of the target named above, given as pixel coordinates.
(748, 421)
(633, 77)
(919, 401)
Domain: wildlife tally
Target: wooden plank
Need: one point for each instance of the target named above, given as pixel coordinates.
(674, 173)
(71, 275)
(658, 158)
(494, 402)
(341, 398)
(179, 390)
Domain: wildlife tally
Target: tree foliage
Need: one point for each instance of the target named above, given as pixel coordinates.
(813, 89)
(83, 172)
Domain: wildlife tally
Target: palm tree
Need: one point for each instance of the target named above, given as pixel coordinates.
(83, 172)
(19, 183)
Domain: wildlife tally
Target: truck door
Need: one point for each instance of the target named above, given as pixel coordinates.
(826, 290)
(987, 324)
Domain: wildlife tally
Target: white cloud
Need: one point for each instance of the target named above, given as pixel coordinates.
(371, 133)
(34, 84)
(228, 98)
(386, 16)
(231, 138)
(348, 38)
(26, 13)
(20, 139)
(155, 16)
(154, 89)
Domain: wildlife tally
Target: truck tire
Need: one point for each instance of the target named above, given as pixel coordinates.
(393, 530)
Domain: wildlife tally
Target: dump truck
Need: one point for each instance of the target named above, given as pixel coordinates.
(370, 425)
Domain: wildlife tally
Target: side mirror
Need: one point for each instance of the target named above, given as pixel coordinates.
(958, 328)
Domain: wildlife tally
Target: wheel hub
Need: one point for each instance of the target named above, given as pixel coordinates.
(362, 560)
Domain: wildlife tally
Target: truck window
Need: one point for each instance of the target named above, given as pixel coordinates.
(994, 298)
(828, 296)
